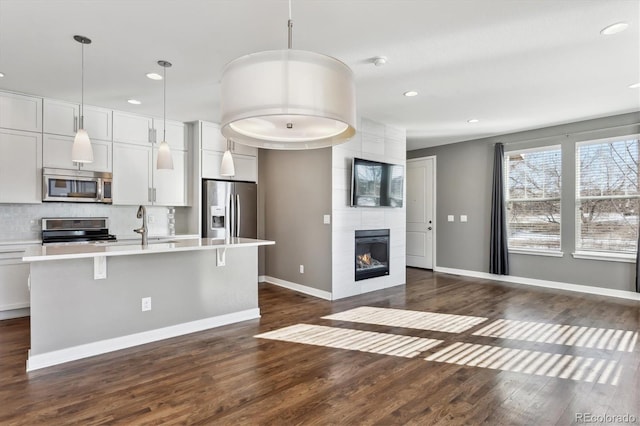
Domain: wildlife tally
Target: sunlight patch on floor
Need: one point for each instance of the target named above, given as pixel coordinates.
(570, 335)
(537, 363)
(358, 340)
(408, 319)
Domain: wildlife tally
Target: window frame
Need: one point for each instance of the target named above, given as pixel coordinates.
(507, 199)
(604, 255)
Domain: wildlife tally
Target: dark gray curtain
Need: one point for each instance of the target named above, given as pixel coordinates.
(499, 262)
(638, 263)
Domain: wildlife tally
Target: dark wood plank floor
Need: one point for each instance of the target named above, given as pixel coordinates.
(226, 376)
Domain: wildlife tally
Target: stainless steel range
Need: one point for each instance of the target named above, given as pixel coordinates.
(75, 230)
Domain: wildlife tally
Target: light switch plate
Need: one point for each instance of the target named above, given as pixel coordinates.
(451, 218)
(463, 218)
(100, 267)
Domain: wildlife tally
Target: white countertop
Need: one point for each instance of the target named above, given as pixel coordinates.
(77, 251)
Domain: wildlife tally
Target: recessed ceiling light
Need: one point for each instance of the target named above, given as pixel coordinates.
(616, 28)
(154, 76)
(473, 120)
(1, 74)
(634, 86)
(134, 101)
(410, 93)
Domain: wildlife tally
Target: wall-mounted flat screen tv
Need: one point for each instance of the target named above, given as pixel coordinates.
(376, 184)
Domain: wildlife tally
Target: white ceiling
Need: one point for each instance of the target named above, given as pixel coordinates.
(514, 65)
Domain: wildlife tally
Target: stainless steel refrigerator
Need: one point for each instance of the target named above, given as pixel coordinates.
(229, 209)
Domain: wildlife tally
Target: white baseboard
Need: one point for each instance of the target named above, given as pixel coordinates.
(15, 313)
(600, 291)
(297, 287)
(109, 345)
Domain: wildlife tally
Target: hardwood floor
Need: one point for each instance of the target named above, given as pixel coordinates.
(228, 376)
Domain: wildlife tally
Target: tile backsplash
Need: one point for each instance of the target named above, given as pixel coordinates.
(23, 222)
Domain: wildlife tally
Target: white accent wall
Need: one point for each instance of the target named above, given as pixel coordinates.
(379, 142)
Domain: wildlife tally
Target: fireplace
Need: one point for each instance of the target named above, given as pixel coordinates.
(372, 253)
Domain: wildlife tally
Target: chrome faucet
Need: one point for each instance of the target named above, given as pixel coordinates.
(142, 214)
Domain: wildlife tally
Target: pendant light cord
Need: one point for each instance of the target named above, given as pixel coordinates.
(82, 91)
(290, 27)
(164, 107)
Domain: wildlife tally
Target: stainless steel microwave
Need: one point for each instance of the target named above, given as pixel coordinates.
(76, 186)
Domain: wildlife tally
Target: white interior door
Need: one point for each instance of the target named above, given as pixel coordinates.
(421, 212)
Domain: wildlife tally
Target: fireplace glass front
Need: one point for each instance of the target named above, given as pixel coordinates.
(372, 253)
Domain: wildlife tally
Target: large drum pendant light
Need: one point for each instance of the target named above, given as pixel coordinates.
(81, 150)
(288, 99)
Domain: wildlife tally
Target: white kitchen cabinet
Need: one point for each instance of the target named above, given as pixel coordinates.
(175, 133)
(132, 128)
(19, 112)
(20, 167)
(137, 181)
(132, 174)
(211, 164)
(63, 118)
(246, 166)
(14, 276)
(56, 153)
(60, 118)
(213, 140)
(170, 185)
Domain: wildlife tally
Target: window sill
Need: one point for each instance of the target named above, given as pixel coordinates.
(537, 252)
(611, 257)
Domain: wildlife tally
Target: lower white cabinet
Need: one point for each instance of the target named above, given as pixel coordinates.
(20, 166)
(137, 181)
(14, 278)
(56, 153)
(246, 166)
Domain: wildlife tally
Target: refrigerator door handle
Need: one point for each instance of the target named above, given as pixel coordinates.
(230, 217)
(237, 215)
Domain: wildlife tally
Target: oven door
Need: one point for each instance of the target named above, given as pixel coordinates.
(72, 188)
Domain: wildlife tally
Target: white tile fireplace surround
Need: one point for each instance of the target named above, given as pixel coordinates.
(379, 142)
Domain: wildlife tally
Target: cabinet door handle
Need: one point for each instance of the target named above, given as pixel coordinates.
(149, 194)
(154, 194)
(75, 123)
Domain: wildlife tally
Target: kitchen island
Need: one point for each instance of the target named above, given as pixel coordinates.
(92, 299)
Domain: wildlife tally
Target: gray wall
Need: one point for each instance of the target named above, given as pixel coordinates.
(294, 193)
(463, 185)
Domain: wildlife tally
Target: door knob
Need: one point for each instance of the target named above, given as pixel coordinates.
(429, 228)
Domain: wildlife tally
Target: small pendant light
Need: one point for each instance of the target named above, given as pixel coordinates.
(81, 151)
(227, 168)
(165, 160)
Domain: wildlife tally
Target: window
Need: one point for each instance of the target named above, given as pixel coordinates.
(607, 197)
(532, 181)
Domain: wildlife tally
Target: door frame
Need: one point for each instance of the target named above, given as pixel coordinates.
(435, 210)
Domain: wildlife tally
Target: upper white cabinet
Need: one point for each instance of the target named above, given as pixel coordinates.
(132, 174)
(20, 112)
(56, 153)
(175, 133)
(63, 118)
(170, 186)
(213, 140)
(137, 181)
(132, 128)
(214, 144)
(20, 167)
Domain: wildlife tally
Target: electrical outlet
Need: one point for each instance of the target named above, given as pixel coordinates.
(146, 304)
(463, 218)
(302, 269)
(326, 219)
(451, 218)
(150, 218)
